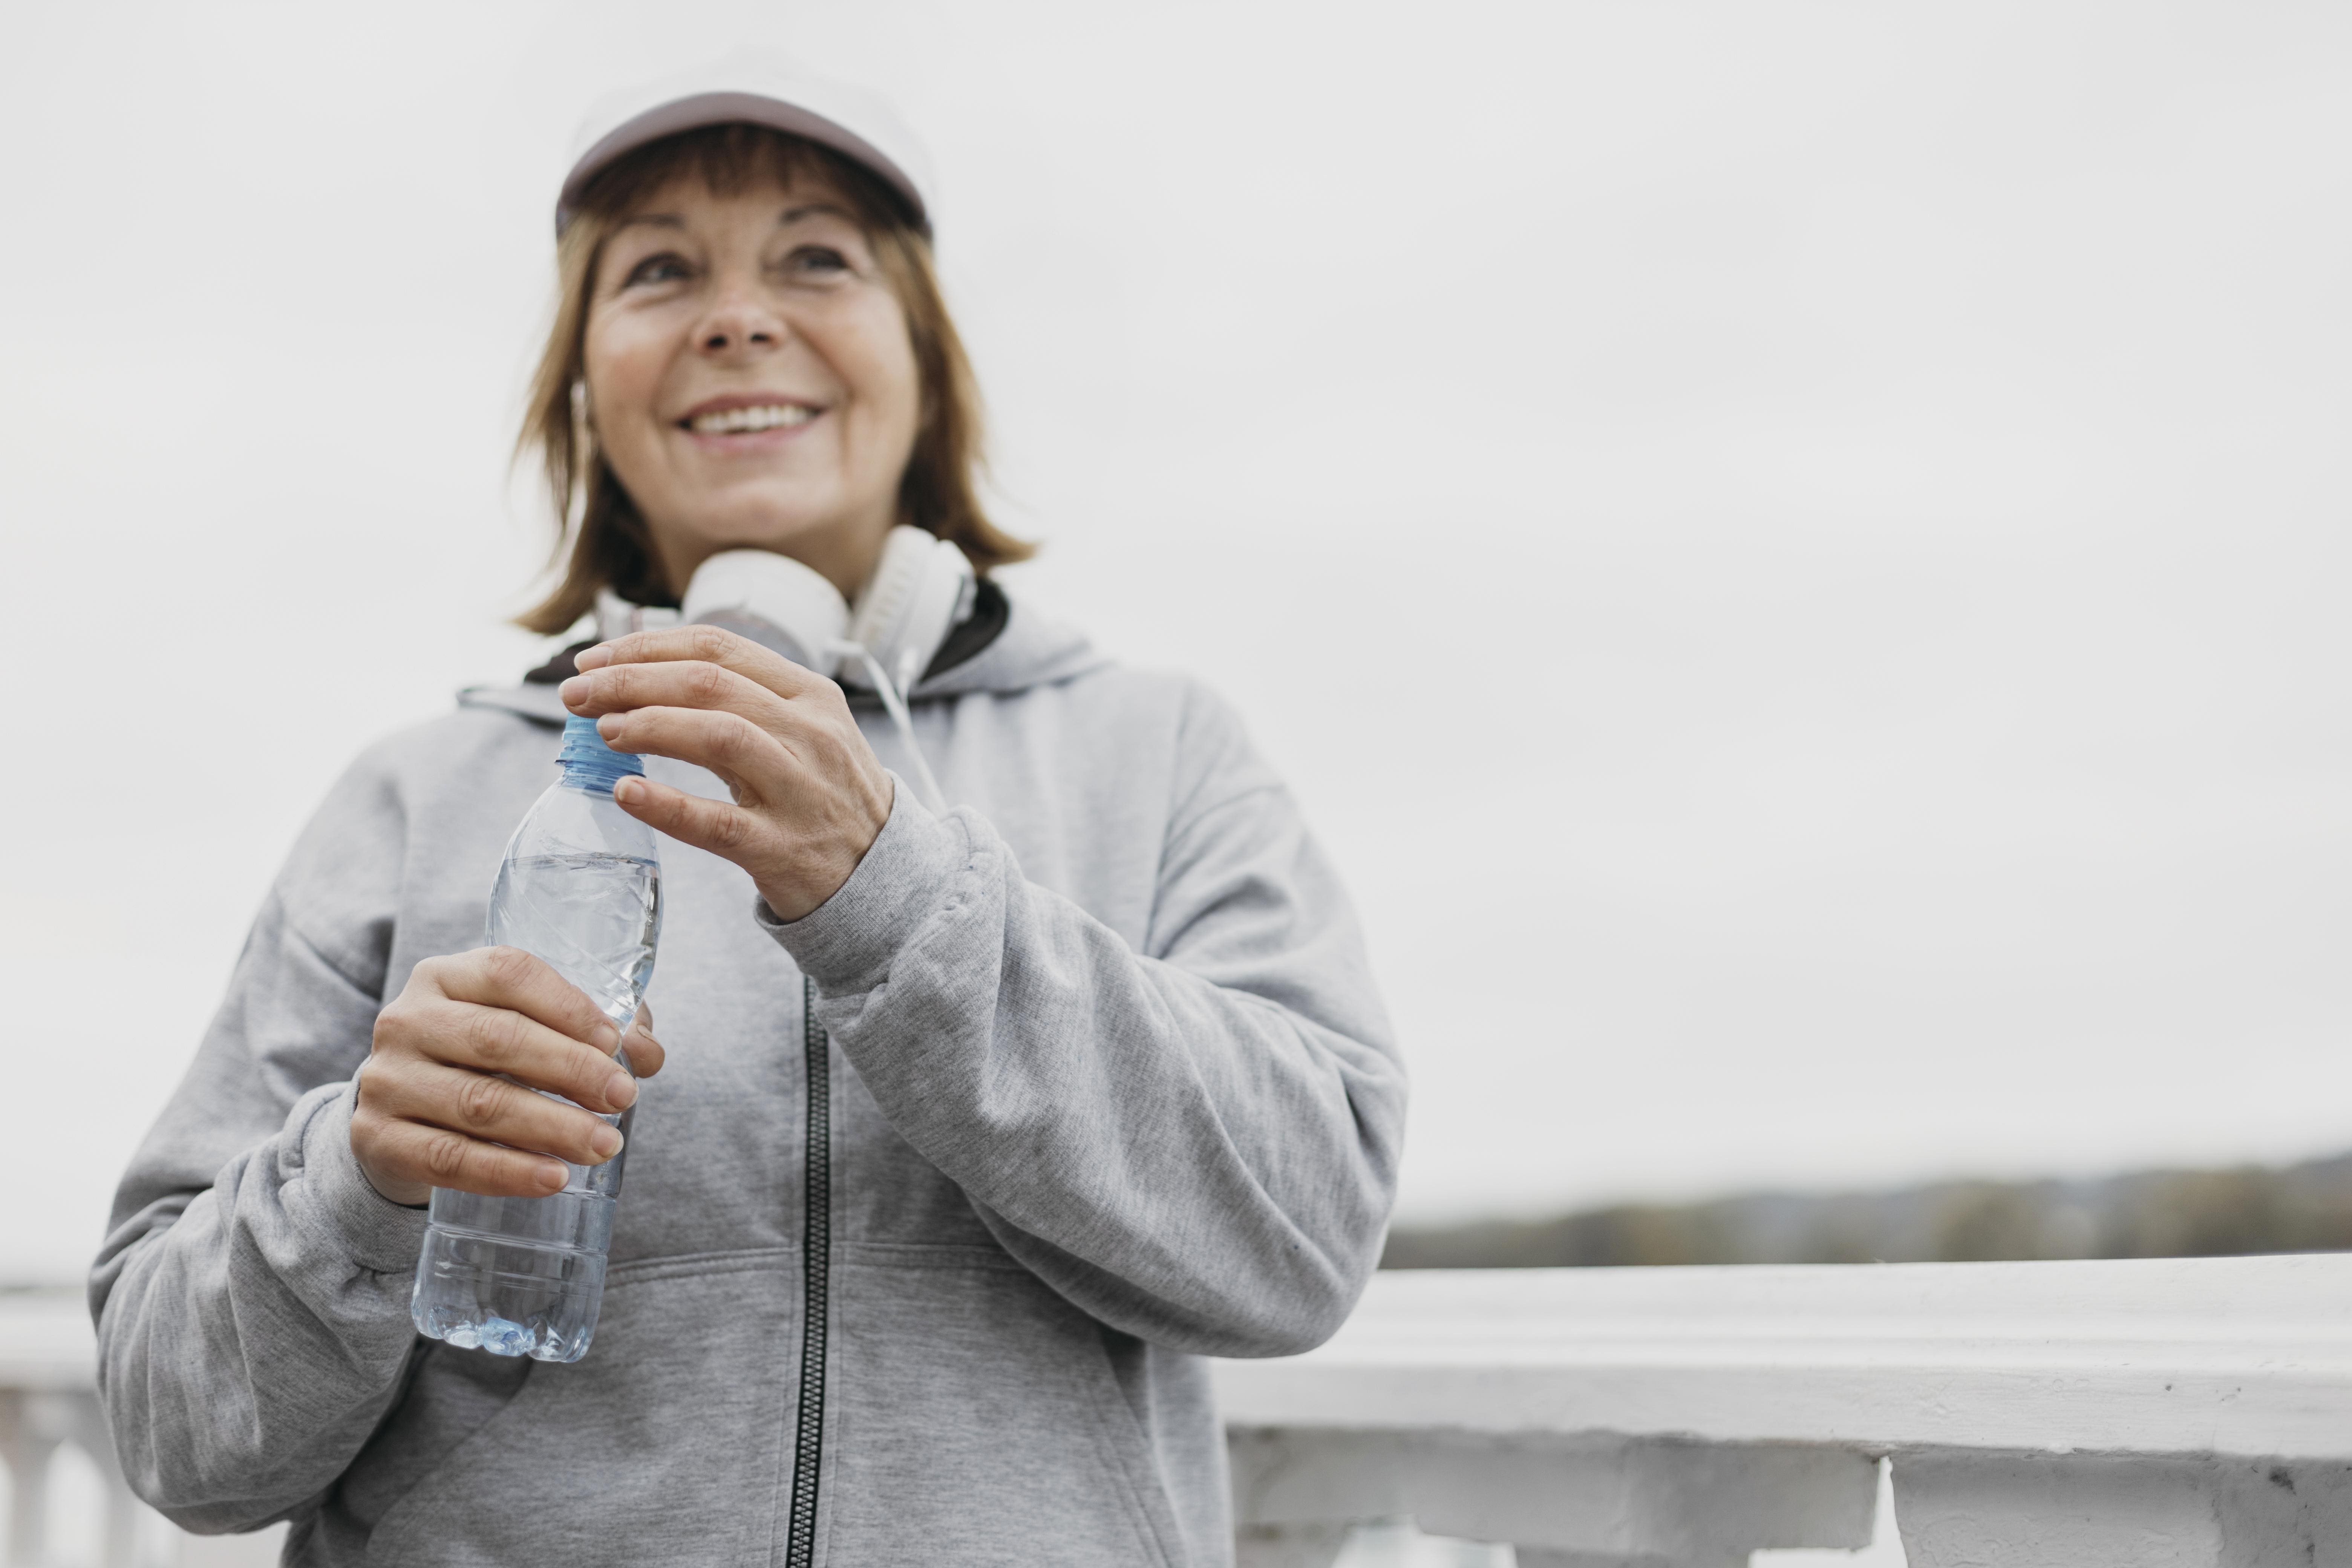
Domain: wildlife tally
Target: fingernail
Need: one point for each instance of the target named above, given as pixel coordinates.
(552, 1177)
(621, 1089)
(627, 790)
(572, 691)
(595, 658)
(613, 721)
(605, 1038)
(605, 1141)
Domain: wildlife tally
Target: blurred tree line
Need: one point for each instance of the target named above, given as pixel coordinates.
(2150, 1214)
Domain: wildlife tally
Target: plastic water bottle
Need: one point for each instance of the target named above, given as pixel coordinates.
(581, 887)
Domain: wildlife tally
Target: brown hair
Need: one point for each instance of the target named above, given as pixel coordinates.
(601, 539)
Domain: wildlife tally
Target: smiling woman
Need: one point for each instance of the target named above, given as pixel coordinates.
(986, 1109)
(798, 239)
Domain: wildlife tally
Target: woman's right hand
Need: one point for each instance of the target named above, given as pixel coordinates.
(433, 1110)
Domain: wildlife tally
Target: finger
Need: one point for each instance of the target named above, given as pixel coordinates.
(496, 1040)
(437, 1157)
(497, 1111)
(738, 751)
(509, 977)
(724, 648)
(725, 830)
(688, 683)
(646, 1053)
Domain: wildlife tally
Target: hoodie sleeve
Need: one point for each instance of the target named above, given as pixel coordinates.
(1196, 1143)
(252, 1295)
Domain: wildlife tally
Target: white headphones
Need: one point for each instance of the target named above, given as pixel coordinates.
(921, 589)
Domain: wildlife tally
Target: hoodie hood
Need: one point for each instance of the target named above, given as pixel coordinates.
(1031, 649)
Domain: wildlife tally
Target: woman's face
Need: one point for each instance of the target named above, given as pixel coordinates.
(749, 377)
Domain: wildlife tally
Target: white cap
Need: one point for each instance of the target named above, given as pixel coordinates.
(753, 88)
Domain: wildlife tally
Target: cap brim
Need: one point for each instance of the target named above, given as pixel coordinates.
(692, 113)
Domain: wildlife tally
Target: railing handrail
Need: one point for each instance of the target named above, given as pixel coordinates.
(2241, 1356)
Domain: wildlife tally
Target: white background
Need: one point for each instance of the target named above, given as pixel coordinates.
(1795, 553)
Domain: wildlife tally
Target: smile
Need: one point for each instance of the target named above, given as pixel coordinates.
(739, 421)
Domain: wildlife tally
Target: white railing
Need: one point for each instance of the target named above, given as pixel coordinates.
(2193, 1414)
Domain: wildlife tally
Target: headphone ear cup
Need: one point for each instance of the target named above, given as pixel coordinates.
(919, 588)
(774, 600)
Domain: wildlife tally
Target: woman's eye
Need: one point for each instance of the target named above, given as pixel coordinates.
(815, 260)
(664, 268)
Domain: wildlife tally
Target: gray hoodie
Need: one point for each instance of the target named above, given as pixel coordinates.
(944, 1191)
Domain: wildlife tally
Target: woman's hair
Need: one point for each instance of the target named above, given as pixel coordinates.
(601, 539)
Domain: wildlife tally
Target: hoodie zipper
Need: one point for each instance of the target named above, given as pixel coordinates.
(817, 1269)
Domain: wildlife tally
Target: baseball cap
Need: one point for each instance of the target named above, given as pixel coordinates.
(753, 89)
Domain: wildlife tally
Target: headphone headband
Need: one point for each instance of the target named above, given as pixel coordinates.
(922, 585)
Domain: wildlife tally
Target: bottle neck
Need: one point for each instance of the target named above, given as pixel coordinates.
(596, 780)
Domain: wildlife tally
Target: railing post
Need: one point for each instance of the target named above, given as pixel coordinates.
(27, 1453)
(83, 1419)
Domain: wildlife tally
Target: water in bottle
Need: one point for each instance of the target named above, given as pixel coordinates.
(580, 886)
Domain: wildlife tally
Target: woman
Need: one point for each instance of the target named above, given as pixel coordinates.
(975, 1128)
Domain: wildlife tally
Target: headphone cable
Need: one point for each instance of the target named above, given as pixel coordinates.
(926, 788)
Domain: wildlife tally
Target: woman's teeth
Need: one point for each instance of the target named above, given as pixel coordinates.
(731, 421)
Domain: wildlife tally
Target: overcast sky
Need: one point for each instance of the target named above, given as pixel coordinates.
(1795, 554)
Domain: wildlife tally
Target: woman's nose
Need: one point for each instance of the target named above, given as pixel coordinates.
(739, 324)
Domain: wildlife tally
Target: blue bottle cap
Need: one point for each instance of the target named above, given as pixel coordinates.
(589, 763)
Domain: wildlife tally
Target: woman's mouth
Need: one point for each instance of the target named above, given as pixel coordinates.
(745, 421)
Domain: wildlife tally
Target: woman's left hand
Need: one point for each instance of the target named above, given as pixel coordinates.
(810, 794)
